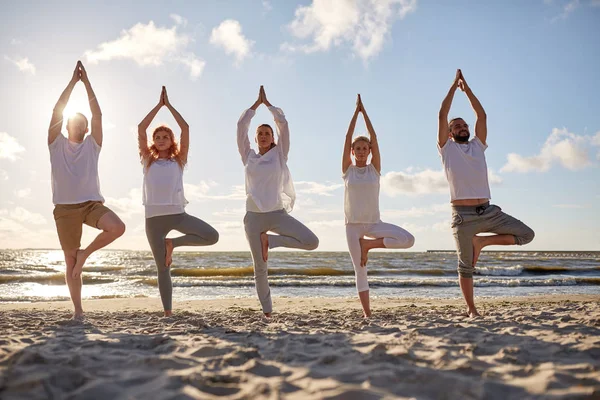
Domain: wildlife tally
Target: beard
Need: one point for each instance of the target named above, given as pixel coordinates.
(461, 139)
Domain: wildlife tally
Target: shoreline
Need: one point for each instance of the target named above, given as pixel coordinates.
(288, 303)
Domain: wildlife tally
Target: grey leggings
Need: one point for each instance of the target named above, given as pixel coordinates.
(467, 221)
(196, 233)
(291, 233)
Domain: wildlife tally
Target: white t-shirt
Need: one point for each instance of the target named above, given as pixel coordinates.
(162, 192)
(361, 195)
(269, 185)
(466, 169)
(75, 170)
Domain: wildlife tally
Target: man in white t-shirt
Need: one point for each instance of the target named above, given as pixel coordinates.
(76, 187)
(466, 170)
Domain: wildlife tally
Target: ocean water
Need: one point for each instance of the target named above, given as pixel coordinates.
(38, 275)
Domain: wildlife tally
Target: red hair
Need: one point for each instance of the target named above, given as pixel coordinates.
(173, 150)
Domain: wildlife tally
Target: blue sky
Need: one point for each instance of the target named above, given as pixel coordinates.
(532, 64)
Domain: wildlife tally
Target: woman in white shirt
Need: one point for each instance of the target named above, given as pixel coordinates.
(361, 205)
(270, 195)
(164, 199)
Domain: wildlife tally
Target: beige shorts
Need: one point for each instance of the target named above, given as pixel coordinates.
(70, 218)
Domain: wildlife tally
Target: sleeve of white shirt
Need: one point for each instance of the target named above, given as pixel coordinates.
(283, 131)
(478, 141)
(242, 134)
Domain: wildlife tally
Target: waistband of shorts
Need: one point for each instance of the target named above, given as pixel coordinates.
(471, 208)
(76, 205)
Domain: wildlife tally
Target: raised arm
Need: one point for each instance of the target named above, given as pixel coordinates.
(375, 154)
(242, 129)
(96, 124)
(283, 130)
(143, 127)
(347, 154)
(184, 139)
(443, 129)
(481, 117)
(57, 113)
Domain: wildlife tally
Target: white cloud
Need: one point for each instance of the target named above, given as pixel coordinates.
(417, 212)
(23, 193)
(201, 192)
(267, 5)
(567, 10)
(231, 212)
(316, 188)
(335, 223)
(19, 214)
(570, 206)
(228, 35)
(421, 182)
(23, 64)
(362, 24)
(179, 20)
(149, 45)
(562, 147)
(125, 207)
(9, 147)
(3, 175)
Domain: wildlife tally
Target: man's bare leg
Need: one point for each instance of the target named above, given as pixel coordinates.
(366, 245)
(169, 252)
(74, 284)
(466, 285)
(112, 227)
(264, 242)
(479, 242)
(364, 301)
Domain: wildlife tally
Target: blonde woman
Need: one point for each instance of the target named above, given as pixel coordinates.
(361, 205)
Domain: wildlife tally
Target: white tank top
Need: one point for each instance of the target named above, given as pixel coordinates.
(162, 191)
(75, 170)
(361, 195)
(466, 169)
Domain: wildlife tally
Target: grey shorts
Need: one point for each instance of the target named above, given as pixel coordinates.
(468, 221)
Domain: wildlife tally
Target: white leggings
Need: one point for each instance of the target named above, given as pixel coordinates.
(393, 236)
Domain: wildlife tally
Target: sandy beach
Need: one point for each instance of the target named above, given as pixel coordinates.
(533, 347)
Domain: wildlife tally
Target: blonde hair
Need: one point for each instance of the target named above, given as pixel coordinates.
(361, 139)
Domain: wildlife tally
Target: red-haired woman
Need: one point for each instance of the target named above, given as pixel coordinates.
(163, 196)
(361, 205)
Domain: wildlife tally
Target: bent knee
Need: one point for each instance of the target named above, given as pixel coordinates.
(213, 238)
(410, 242)
(312, 243)
(118, 229)
(526, 237)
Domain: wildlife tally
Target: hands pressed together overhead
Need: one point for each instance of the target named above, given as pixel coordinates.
(80, 74)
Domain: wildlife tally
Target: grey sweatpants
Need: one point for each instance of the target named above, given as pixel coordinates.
(467, 222)
(291, 234)
(196, 233)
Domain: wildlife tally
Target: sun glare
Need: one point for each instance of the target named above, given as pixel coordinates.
(74, 106)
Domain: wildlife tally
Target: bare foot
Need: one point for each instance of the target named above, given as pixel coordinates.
(472, 313)
(267, 315)
(477, 246)
(168, 313)
(264, 242)
(366, 315)
(78, 268)
(78, 316)
(169, 252)
(364, 252)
